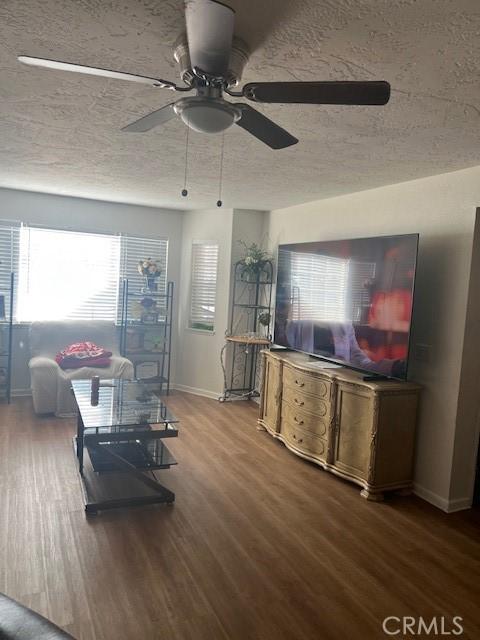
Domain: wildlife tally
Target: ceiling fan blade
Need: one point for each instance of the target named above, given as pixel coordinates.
(154, 119)
(354, 93)
(264, 129)
(94, 71)
(209, 33)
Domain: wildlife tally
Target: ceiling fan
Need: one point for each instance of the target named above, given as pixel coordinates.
(211, 61)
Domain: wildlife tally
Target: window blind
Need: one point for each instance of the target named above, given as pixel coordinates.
(134, 249)
(67, 275)
(203, 288)
(9, 241)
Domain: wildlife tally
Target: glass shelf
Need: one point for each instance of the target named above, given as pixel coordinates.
(121, 403)
(150, 454)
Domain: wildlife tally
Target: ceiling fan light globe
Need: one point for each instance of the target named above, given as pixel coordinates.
(205, 119)
(207, 116)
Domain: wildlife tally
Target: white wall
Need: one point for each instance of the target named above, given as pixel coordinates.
(199, 368)
(88, 215)
(442, 210)
(198, 353)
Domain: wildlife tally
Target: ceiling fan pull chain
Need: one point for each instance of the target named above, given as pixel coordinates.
(220, 177)
(184, 190)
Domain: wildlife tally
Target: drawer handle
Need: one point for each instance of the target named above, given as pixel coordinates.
(298, 439)
(297, 421)
(300, 384)
(300, 403)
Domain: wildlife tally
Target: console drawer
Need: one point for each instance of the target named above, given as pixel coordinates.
(296, 398)
(303, 441)
(307, 383)
(297, 418)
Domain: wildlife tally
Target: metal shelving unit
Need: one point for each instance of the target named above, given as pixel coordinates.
(142, 329)
(251, 295)
(6, 338)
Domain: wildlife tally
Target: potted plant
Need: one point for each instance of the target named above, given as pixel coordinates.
(264, 320)
(253, 262)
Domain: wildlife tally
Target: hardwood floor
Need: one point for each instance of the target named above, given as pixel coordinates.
(259, 545)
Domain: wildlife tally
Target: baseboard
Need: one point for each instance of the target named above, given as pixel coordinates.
(21, 393)
(197, 392)
(449, 506)
(460, 504)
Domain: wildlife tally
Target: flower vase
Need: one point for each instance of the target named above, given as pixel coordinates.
(150, 284)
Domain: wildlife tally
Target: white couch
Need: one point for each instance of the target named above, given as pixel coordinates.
(50, 384)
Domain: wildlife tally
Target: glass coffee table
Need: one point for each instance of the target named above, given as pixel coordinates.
(119, 444)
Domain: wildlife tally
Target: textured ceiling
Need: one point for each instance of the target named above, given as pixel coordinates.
(60, 132)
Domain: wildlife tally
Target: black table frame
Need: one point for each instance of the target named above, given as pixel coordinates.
(99, 442)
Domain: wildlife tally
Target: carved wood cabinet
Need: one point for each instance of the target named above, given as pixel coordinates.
(362, 431)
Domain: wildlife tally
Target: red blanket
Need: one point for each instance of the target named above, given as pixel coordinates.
(83, 354)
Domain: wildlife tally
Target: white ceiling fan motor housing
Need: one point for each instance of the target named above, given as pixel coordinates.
(239, 55)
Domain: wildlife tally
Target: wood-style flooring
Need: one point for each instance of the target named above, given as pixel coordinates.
(260, 545)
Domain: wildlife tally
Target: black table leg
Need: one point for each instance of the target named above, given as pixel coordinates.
(80, 429)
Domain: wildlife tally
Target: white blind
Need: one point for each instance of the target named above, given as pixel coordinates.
(9, 238)
(203, 289)
(70, 274)
(134, 249)
(319, 287)
(67, 275)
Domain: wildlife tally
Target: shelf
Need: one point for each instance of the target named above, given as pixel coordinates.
(150, 294)
(145, 353)
(155, 380)
(150, 454)
(142, 340)
(146, 325)
(247, 340)
(251, 306)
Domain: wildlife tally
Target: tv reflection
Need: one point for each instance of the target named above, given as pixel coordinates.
(338, 341)
(362, 317)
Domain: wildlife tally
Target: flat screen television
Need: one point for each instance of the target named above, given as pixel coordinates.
(348, 301)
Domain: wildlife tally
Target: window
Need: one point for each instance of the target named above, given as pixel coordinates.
(203, 286)
(73, 275)
(67, 275)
